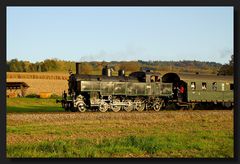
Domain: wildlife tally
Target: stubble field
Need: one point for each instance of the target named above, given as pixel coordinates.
(40, 128)
(54, 83)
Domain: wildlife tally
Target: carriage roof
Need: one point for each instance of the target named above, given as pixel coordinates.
(210, 77)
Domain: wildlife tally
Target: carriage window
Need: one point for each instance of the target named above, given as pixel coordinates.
(193, 85)
(231, 87)
(204, 86)
(223, 86)
(214, 86)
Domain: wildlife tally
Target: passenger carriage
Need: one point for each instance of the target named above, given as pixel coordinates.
(201, 88)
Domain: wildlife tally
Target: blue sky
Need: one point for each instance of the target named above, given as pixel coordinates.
(120, 33)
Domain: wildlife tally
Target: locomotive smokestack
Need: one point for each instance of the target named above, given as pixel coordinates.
(106, 71)
(121, 72)
(78, 69)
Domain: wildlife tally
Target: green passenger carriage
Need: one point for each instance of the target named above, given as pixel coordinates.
(204, 88)
(210, 88)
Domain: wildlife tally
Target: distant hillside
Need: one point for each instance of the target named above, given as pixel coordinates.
(94, 67)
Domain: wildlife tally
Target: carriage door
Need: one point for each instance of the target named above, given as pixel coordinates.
(183, 95)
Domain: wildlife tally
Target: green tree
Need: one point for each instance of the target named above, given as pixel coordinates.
(86, 68)
(15, 66)
(227, 69)
(49, 65)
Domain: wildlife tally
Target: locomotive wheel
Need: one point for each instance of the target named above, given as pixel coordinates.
(81, 108)
(103, 107)
(158, 105)
(139, 105)
(116, 108)
(128, 107)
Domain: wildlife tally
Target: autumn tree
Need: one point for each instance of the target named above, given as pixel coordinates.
(130, 66)
(86, 68)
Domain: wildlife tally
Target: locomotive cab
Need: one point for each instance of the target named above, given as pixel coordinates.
(179, 86)
(153, 77)
(148, 77)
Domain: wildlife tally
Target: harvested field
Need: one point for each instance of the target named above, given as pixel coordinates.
(148, 134)
(44, 85)
(54, 83)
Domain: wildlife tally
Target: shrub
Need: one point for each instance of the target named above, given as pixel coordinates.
(55, 96)
(32, 95)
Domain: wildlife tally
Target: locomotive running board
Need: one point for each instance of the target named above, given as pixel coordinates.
(118, 104)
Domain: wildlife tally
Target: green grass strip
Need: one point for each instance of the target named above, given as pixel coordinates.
(131, 146)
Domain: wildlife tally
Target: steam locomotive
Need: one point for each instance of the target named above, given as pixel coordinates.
(143, 90)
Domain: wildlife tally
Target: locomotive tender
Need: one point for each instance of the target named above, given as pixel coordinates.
(141, 90)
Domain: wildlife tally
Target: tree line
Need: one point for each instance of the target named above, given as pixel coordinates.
(95, 67)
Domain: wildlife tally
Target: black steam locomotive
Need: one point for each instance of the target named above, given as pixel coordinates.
(143, 90)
